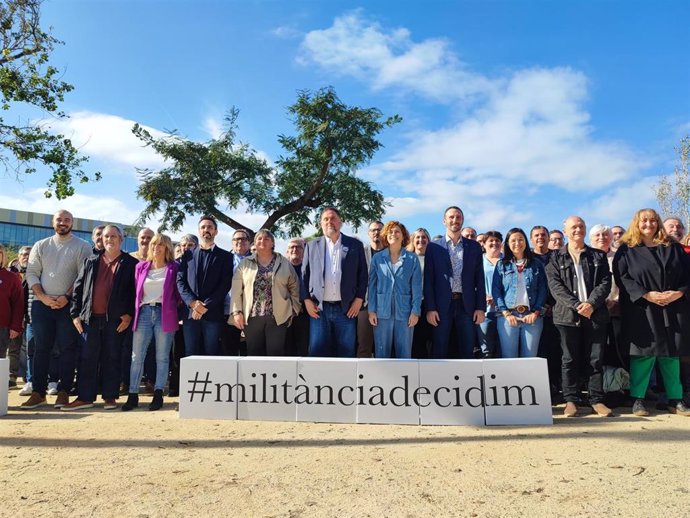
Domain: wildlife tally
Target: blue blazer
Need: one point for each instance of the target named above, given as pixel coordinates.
(353, 265)
(212, 289)
(438, 276)
(404, 286)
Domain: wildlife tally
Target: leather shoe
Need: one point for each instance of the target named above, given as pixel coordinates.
(601, 410)
(570, 409)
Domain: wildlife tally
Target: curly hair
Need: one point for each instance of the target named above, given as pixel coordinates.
(389, 226)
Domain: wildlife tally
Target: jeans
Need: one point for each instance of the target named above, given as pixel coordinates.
(391, 334)
(521, 341)
(100, 353)
(202, 337)
(587, 342)
(488, 336)
(148, 325)
(333, 334)
(463, 348)
(53, 327)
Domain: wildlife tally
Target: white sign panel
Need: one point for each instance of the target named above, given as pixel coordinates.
(450, 392)
(267, 387)
(385, 391)
(208, 387)
(4, 384)
(329, 394)
(517, 392)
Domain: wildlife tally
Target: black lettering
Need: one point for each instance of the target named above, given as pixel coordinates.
(506, 392)
(263, 388)
(381, 399)
(274, 388)
(286, 386)
(493, 392)
(415, 395)
(438, 403)
(229, 388)
(405, 388)
(340, 395)
(319, 389)
(480, 389)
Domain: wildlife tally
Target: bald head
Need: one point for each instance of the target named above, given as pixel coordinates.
(576, 230)
(62, 223)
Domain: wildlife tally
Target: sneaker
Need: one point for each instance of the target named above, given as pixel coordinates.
(52, 388)
(27, 389)
(62, 399)
(77, 404)
(639, 409)
(34, 401)
(109, 404)
(678, 407)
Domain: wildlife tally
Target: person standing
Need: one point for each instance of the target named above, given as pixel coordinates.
(653, 275)
(395, 293)
(454, 291)
(334, 274)
(487, 332)
(231, 336)
(203, 280)
(580, 281)
(421, 336)
(297, 341)
(11, 315)
(365, 331)
(54, 263)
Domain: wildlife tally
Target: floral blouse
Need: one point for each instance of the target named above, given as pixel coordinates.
(263, 292)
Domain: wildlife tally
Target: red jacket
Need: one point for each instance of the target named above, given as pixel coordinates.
(11, 301)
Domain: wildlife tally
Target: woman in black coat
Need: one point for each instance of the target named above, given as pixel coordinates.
(653, 274)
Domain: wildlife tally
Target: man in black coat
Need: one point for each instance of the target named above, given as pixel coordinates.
(580, 280)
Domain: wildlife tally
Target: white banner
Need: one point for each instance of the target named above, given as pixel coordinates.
(456, 392)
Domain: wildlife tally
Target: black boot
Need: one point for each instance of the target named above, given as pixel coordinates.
(132, 402)
(157, 401)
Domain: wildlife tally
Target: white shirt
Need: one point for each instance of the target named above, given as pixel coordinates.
(333, 271)
(153, 286)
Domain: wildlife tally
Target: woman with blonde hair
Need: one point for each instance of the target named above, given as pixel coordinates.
(155, 314)
(653, 274)
(421, 336)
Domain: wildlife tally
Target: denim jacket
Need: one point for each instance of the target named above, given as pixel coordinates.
(505, 281)
(405, 286)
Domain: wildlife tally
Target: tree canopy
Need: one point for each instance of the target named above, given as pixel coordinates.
(317, 168)
(27, 79)
(673, 194)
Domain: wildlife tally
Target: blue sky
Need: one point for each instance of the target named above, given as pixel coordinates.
(520, 112)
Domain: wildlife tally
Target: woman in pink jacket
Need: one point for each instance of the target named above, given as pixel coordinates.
(155, 313)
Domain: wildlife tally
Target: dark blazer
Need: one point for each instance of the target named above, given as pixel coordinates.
(213, 287)
(438, 274)
(121, 301)
(649, 329)
(560, 272)
(353, 265)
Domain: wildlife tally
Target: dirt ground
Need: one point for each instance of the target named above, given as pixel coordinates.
(146, 464)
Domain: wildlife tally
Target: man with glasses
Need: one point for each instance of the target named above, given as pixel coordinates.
(365, 332)
(556, 240)
(231, 336)
(297, 339)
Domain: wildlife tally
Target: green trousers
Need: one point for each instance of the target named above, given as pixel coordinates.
(641, 368)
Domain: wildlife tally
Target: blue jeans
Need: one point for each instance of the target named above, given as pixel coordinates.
(487, 333)
(333, 334)
(512, 337)
(53, 327)
(201, 337)
(464, 333)
(391, 334)
(100, 353)
(148, 325)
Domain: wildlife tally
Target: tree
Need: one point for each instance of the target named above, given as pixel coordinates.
(26, 79)
(673, 195)
(318, 168)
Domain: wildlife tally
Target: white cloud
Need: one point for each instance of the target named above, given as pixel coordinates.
(213, 126)
(618, 204)
(286, 32)
(109, 138)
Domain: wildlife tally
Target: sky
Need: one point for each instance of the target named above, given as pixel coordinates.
(520, 112)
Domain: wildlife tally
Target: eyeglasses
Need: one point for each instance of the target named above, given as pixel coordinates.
(239, 239)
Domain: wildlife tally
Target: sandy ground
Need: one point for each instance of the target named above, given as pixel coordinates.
(141, 464)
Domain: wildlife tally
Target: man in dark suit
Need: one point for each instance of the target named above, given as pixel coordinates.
(203, 280)
(334, 283)
(454, 291)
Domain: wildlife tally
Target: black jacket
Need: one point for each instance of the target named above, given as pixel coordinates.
(212, 289)
(561, 275)
(121, 301)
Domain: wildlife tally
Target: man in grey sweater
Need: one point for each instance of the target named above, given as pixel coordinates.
(54, 263)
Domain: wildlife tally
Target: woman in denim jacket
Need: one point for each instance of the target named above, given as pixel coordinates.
(519, 291)
(395, 293)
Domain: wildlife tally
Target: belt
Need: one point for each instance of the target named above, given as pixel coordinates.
(456, 295)
(331, 302)
(520, 309)
(153, 304)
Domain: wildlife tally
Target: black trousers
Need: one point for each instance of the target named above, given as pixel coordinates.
(265, 337)
(231, 343)
(584, 343)
(297, 339)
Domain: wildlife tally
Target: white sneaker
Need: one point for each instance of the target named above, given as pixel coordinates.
(27, 389)
(52, 388)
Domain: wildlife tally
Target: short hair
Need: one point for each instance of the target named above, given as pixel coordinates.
(600, 227)
(538, 227)
(208, 218)
(97, 227)
(377, 222)
(300, 241)
(167, 243)
(617, 226)
(633, 237)
(24, 248)
(326, 209)
(556, 231)
(265, 232)
(420, 230)
(190, 237)
(680, 221)
(389, 226)
(146, 229)
(243, 230)
(508, 253)
(118, 229)
(453, 207)
(494, 234)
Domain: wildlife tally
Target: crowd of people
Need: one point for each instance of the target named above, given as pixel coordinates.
(93, 319)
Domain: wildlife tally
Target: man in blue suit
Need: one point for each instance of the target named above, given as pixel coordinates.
(334, 283)
(454, 292)
(203, 280)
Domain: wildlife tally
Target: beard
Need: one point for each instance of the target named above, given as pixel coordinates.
(63, 230)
